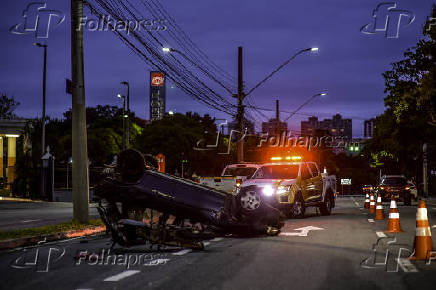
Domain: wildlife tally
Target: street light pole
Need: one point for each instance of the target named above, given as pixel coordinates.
(44, 81)
(124, 122)
(80, 180)
(128, 114)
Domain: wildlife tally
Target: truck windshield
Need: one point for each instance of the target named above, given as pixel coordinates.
(239, 171)
(277, 172)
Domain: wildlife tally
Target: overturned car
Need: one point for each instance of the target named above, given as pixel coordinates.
(141, 205)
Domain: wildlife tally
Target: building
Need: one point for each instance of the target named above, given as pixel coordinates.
(336, 126)
(273, 127)
(368, 128)
(157, 95)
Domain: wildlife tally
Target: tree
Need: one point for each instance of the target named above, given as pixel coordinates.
(7, 107)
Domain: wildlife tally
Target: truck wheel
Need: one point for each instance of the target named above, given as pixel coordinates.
(297, 208)
(326, 207)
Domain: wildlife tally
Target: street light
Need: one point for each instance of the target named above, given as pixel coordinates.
(304, 104)
(167, 49)
(128, 113)
(44, 80)
(123, 117)
(313, 49)
(170, 113)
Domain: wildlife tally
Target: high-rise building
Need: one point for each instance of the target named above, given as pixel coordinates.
(157, 95)
(368, 128)
(335, 126)
(273, 127)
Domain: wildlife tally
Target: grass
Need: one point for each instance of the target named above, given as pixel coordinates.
(50, 229)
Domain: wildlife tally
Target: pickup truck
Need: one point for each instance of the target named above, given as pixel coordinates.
(231, 177)
(290, 187)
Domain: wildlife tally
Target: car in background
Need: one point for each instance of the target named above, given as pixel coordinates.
(397, 186)
(232, 177)
(367, 189)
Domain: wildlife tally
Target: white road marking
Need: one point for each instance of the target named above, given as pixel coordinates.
(29, 221)
(303, 231)
(434, 226)
(206, 244)
(356, 203)
(381, 234)
(216, 239)
(121, 275)
(371, 220)
(406, 266)
(182, 252)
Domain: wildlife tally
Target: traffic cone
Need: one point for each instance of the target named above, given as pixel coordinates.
(366, 201)
(394, 218)
(379, 214)
(371, 203)
(423, 244)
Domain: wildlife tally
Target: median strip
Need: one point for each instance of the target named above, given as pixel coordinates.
(31, 236)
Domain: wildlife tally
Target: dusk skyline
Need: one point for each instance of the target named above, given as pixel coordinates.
(349, 64)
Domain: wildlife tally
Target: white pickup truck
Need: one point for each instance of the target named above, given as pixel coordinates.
(289, 186)
(232, 176)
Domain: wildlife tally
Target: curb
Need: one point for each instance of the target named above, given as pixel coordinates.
(35, 240)
(18, 199)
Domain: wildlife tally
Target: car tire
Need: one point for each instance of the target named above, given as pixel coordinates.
(297, 208)
(326, 207)
(249, 201)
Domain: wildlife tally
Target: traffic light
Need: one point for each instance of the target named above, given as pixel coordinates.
(354, 147)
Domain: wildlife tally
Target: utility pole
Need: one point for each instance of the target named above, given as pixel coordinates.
(44, 82)
(240, 114)
(80, 177)
(424, 169)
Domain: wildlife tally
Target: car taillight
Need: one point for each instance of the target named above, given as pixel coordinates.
(381, 187)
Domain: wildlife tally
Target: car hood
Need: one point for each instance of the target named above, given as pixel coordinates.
(264, 182)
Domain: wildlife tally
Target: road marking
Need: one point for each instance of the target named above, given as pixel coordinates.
(182, 252)
(303, 231)
(206, 244)
(216, 239)
(381, 234)
(121, 275)
(406, 266)
(356, 203)
(371, 220)
(434, 226)
(29, 221)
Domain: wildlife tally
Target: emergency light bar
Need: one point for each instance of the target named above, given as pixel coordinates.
(287, 158)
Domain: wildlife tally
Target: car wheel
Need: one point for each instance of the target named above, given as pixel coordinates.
(250, 200)
(327, 205)
(297, 208)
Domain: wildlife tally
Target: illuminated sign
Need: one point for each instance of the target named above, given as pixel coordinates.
(345, 181)
(157, 79)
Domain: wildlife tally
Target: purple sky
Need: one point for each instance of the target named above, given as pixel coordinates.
(349, 63)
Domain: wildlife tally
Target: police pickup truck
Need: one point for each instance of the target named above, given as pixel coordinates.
(288, 184)
(232, 176)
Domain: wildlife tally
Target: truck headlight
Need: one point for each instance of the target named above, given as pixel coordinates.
(282, 189)
(268, 190)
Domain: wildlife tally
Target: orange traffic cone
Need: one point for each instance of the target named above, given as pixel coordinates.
(366, 201)
(379, 214)
(394, 218)
(423, 244)
(371, 203)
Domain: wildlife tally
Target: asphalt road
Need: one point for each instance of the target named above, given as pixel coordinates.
(15, 215)
(341, 251)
